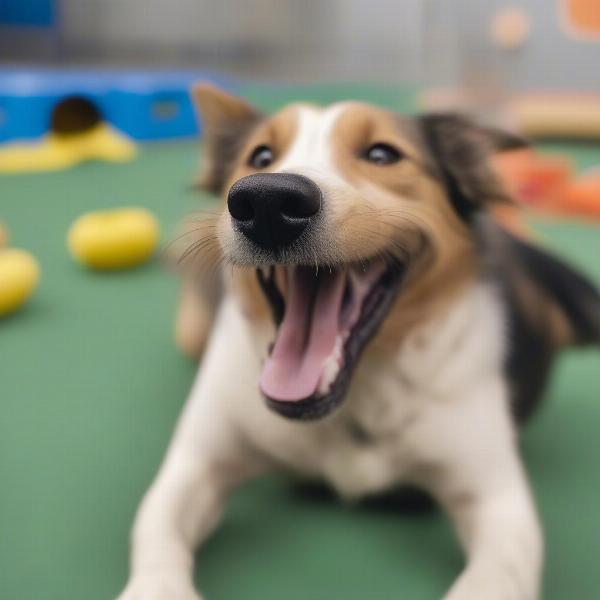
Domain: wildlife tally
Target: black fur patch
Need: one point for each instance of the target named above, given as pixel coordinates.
(529, 360)
(532, 348)
(571, 291)
(460, 150)
(402, 499)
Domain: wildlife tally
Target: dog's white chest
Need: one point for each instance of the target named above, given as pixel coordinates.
(391, 420)
(370, 447)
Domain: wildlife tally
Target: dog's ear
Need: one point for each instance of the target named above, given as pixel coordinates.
(226, 122)
(460, 151)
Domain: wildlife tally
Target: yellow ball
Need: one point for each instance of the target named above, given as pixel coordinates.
(19, 276)
(114, 239)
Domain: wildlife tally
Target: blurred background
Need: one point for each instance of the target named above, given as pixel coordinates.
(398, 41)
(99, 145)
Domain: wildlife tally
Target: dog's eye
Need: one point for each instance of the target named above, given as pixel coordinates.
(382, 154)
(261, 157)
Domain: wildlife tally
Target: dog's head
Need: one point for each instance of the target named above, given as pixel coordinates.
(352, 220)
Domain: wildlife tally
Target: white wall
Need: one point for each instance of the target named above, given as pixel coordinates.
(395, 40)
(185, 22)
(317, 38)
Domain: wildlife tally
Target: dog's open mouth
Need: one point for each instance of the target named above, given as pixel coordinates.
(325, 318)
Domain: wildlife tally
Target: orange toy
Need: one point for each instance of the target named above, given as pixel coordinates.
(532, 178)
(548, 183)
(582, 197)
(582, 16)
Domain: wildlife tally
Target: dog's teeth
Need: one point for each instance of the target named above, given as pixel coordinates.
(332, 367)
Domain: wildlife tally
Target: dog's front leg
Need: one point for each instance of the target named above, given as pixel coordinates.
(503, 544)
(179, 511)
(484, 489)
(206, 459)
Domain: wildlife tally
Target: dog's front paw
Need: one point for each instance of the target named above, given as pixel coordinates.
(482, 585)
(159, 587)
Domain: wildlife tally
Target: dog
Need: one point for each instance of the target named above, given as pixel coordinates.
(376, 326)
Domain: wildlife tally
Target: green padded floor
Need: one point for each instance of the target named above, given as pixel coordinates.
(91, 384)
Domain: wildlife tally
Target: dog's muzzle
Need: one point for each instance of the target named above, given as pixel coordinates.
(273, 209)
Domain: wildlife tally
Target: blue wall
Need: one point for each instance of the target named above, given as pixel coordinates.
(37, 13)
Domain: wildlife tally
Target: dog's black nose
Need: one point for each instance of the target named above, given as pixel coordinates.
(273, 209)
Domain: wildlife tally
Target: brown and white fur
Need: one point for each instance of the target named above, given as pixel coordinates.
(437, 393)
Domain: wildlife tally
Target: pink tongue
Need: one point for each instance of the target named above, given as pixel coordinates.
(306, 336)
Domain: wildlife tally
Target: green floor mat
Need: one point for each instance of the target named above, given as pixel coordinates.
(91, 385)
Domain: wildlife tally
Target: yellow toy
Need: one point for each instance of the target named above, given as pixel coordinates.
(19, 276)
(57, 151)
(114, 239)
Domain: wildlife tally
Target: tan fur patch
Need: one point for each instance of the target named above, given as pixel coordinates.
(447, 267)
(193, 320)
(253, 302)
(401, 208)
